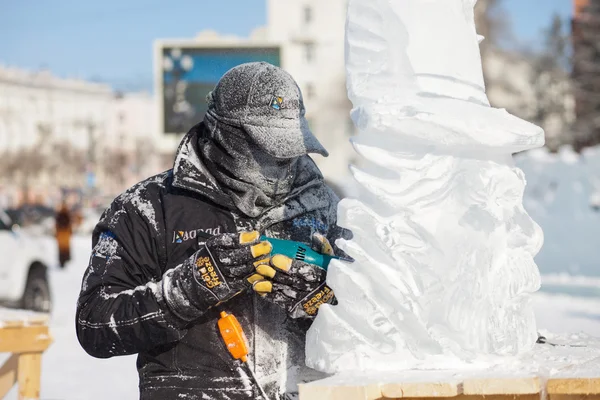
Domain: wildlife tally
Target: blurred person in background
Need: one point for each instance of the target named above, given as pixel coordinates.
(176, 249)
(63, 233)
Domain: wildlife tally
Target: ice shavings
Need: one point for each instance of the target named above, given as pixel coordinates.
(112, 324)
(138, 197)
(189, 167)
(443, 246)
(152, 286)
(171, 292)
(65, 358)
(246, 381)
(572, 356)
(117, 324)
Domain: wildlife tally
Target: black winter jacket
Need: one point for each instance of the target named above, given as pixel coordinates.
(152, 228)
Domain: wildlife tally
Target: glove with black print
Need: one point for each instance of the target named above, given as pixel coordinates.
(220, 270)
(296, 286)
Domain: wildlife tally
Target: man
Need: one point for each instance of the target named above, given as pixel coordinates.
(175, 250)
(63, 231)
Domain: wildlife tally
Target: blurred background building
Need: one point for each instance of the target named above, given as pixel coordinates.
(311, 35)
(95, 96)
(61, 135)
(586, 72)
(304, 37)
(49, 131)
(532, 83)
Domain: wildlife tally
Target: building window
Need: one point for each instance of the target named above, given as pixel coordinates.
(309, 53)
(308, 15)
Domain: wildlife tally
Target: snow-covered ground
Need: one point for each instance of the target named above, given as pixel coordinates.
(558, 197)
(68, 373)
(563, 197)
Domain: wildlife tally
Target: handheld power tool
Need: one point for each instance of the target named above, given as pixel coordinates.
(295, 250)
(229, 327)
(300, 251)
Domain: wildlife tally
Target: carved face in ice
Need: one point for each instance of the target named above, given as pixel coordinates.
(443, 247)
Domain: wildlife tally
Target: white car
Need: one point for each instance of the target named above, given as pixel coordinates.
(23, 274)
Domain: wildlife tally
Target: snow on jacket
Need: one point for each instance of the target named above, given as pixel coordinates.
(152, 228)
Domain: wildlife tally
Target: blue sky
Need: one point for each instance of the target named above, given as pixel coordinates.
(111, 40)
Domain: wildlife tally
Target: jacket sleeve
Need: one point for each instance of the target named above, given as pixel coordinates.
(121, 309)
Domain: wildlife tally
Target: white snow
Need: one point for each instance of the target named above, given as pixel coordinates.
(23, 317)
(566, 304)
(443, 246)
(572, 356)
(137, 196)
(560, 196)
(68, 373)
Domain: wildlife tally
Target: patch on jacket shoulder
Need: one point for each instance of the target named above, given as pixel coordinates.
(106, 246)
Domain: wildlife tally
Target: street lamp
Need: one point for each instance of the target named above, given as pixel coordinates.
(177, 65)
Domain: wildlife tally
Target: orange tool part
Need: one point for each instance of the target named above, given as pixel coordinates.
(233, 336)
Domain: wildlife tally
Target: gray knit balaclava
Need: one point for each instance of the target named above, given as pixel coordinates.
(256, 139)
(252, 178)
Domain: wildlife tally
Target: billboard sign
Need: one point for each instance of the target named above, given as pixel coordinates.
(188, 71)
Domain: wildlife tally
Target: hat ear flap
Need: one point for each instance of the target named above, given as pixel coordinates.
(210, 99)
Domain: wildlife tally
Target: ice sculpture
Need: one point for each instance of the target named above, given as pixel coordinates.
(444, 249)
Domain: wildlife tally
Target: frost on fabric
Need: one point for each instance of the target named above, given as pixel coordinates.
(246, 381)
(139, 198)
(152, 286)
(115, 217)
(107, 249)
(443, 246)
(112, 324)
(188, 163)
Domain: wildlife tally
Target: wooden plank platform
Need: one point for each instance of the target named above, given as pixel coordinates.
(447, 387)
(478, 388)
(26, 336)
(573, 388)
(420, 390)
(453, 385)
(568, 368)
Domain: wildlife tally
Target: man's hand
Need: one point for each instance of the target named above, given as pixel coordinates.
(217, 272)
(226, 262)
(296, 286)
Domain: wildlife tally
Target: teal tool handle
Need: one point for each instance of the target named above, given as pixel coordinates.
(299, 251)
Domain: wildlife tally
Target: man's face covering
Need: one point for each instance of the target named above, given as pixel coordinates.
(275, 174)
(254, 179)
(256, 138)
